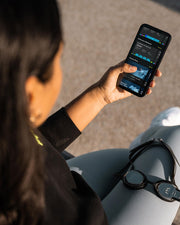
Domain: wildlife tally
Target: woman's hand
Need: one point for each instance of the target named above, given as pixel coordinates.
(108, 84)
(83, 109)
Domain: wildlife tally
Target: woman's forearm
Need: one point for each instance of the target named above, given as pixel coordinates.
(83, 109)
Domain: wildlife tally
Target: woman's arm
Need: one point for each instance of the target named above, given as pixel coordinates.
(85, 107)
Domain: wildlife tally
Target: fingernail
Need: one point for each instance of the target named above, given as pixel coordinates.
(133, 67)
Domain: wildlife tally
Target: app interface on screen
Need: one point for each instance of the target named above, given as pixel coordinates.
(148, 47)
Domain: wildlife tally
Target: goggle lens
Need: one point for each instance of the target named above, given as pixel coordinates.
(167, 191)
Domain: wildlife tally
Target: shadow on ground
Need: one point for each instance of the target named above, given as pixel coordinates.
(171, 4)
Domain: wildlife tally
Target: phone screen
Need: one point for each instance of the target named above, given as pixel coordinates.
(146, 54)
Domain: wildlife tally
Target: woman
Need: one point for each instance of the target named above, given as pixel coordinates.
(36, 185)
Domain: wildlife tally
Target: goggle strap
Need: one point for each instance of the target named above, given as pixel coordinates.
(134, 150)
(167, 146)
(134, 154)
(174, 158)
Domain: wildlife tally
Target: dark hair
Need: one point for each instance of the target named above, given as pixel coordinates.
(30, 35)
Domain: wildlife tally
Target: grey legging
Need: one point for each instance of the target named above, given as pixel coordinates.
(133, 207)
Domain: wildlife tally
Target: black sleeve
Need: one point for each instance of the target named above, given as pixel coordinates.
(59, 129)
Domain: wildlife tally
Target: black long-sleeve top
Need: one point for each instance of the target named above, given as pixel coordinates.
(69, 199)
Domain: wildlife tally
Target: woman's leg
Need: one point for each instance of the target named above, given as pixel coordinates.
(138, 207)
(98, 168)
(132, 207)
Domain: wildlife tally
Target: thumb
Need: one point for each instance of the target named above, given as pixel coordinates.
(120, 68)
(123, 68)
(127, 68)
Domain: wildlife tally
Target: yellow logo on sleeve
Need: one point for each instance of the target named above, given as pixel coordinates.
(37, 139)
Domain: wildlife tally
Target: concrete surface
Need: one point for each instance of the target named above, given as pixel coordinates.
(98, 34)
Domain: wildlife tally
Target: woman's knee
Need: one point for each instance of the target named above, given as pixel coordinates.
(169, 134)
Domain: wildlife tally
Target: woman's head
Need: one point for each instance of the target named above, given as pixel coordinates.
(30, 36)
(30, 40)
(42, 96)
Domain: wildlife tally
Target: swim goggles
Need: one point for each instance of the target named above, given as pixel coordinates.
(135, 179)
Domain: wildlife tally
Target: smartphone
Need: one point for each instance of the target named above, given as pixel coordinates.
(146, 53)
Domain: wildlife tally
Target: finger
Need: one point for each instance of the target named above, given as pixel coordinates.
(127, 68)
(152, 84)
(158, 73)
(149, 91)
